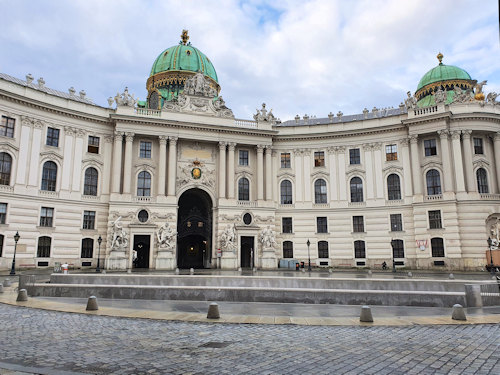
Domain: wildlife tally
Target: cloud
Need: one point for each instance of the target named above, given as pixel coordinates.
(297, 56)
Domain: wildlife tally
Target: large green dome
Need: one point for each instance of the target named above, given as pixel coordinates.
(442, 73)
(185, 58)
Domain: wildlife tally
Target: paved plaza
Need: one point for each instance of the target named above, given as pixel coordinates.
(50, 342)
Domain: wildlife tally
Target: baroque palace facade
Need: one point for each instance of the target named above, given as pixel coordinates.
(177, 181)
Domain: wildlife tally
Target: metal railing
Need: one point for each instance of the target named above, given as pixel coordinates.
(490, 294)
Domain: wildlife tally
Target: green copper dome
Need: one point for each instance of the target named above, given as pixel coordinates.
(183, 58)
(442, 73)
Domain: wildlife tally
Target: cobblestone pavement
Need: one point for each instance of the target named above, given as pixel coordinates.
(56, 342)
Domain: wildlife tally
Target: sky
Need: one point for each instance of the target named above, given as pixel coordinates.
(299, 57)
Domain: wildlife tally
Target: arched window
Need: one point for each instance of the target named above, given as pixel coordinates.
(43, 250)
(287, 249)
(356, 189)
(482, 181)
(49, 176)
(144, 184)
(359, 249)
(320, 191)
(5, 168)
(433, 182)
(1, 244)
(90, 184)
(243, 189)
(322, 249)
(398, 249)
(87, 247)
(286, 192)
(393, 187)
(437, 246)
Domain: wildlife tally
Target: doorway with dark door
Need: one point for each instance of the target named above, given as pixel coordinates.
(247, 252)
(141, 246)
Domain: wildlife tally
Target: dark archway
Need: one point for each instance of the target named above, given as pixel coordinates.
(194, 228)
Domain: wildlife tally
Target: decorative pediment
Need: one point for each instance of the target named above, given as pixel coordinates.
(481, 163)
(7, 146)
(392, 169)
(430, 164)
(92, 161)
(355, 172)
(51, 155)
(320, 174)
(286, 174)
(145, 166)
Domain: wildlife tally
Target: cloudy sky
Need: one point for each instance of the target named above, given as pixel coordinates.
(297, 56)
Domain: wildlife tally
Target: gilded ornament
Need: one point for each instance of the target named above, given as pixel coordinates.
(196, 173)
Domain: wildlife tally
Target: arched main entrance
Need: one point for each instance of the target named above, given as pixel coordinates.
(194, 228)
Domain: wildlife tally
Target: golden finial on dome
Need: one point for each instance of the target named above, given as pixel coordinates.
(440, 58)
(184, 37)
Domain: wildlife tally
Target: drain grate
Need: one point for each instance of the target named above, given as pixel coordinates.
(215, 344)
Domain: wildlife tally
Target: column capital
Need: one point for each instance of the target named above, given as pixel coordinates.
(405, 141)
(443, 134)
(222, 145)
(119, 136)
(172, 140)
(260, 149)
(129, 137)
(496, 137)
(108, 139)
(269, 150)
(456, 134)
(466, 133)
(162, 139)
(413, 139)
(231, 146)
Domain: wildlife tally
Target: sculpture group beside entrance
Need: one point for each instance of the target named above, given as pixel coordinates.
(166, 237)
(120, 237)
(228, 239)
(267, 238)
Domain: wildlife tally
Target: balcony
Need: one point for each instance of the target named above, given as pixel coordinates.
(491, 197)
(143, 199)
(48, 193)
(148, 112)
(247, 203)
(435, 197)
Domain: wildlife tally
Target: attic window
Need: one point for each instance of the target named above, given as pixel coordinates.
(188, 52)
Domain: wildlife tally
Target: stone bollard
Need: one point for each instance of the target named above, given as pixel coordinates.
(370, 273)
(240, 270)
(410, 274)
(254, 269)
(473, 295)
(366, 314)
(213, 311)
(191, 271)
(303, 270)
(7, 283)
(129, 271)
(1, 288)
(451, 276)
(22, 296)
(458, 313)
(92, 304)
(177, 271)
(103, 272)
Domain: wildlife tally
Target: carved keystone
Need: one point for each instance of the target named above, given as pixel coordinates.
(366, 314)
(22, 296)
(92, 304)
(213, 311)
(458, 313)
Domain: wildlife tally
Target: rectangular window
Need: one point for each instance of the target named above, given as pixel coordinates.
(3, 212)
(398, 249)
(478, 146)
(88, 219)
(391, 152)
(46, 216)
(285, 160)
(286, 225)
(319, 159)
(359, 249)
(93, 146)
(52, 137)
(243, 159)
(396, 223)
(430, 147)
(322, 225)
(87, 248)
(145, 150)
(358, 224)
(435, 219)
(354, 156)
(7, 127)
(288, 249)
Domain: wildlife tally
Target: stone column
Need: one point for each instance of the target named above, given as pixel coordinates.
(106, 178)
(230, 171)
(127, 164)
(222, 169)
(457, 160)
(162, 164)
(260, 172)
(469, 173)
(341, 155)
(77, 160)
(67, 167)
(299, 176)
(276, 164)
(332, 163)
(377, 166)
(269, 186)
(496, 150)
(405, 155)
(445, 151)
(172, 165)
(117, 162)
(415, 165)
(369, 183)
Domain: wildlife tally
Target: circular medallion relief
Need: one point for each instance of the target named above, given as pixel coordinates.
(196, 173)
(143, 216)
(247, 219)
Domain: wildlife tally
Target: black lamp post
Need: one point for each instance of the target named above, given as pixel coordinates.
(491, 257)
(99, 240)
(13, 268)
(393, 261)
(308, 243)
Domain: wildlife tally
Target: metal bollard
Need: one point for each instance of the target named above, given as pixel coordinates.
(458, 312)
(366, 314)
(22, 296)
(92, 304)
(213, 311)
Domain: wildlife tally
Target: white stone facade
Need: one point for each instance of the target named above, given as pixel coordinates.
(185, 150)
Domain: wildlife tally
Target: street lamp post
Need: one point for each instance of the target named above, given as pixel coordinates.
(393, 261)
(308, 243)
(13, 268)
(99, 240)
(491, 257)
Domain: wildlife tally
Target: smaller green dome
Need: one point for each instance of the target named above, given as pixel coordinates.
(442, 73)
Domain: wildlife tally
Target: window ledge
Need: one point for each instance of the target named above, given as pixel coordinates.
(353, 233)
(322, 233)
(397, 231)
